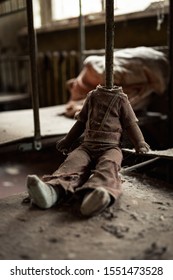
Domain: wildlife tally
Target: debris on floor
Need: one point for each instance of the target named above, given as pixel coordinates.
(139, 226)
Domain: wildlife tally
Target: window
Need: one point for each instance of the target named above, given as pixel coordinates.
(62, 9)
(37, 13)
(131, 6)
(48, 11)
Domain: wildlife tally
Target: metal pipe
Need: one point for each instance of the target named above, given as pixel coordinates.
(170, 34)
(81, 35)
(34, 74)
(109, 43)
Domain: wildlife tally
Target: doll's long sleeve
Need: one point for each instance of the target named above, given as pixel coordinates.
(74, 133)
(129, 123)
(76, 130)
(136, 137)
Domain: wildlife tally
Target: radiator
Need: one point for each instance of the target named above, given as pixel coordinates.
(54, 69)
(14, 74)
(15, 90)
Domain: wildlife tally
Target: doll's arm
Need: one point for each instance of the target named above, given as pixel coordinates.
(136, 137)
(75, 132)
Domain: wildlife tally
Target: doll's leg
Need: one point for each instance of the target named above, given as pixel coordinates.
(104, 182)
(42, 194)
(73, 172)
(95, 202)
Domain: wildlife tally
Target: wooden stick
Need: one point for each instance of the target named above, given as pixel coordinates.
(139, 165)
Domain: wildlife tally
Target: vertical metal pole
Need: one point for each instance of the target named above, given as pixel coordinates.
(170, 34)
(109, 43)
(170, 88)
(34, 74)
(81, 35)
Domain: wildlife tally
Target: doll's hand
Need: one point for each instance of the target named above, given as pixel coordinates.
(142, 148)
(63, 146)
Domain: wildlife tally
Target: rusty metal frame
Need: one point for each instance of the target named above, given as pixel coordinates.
(170, 42)
(109, 43)
(109, 47)
(34, 74)
(81, 36)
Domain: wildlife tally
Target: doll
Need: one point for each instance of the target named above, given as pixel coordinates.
(92, 169)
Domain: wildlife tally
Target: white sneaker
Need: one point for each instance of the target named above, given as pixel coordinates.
(95, 202)
(43, 195)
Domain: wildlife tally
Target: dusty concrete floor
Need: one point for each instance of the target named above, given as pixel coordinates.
(139, 226)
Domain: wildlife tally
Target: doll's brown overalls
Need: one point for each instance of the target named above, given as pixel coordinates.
(106, 113)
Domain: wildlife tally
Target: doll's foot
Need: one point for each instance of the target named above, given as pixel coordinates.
(95, 202)
(43, 195)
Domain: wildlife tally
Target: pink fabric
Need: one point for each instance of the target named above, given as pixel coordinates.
(140, 71)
